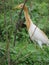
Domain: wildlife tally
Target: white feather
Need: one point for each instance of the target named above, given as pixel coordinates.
(38, 36)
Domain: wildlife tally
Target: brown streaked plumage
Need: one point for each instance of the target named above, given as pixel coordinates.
(27, 17)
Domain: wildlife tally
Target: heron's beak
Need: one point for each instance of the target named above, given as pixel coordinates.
(16, 7)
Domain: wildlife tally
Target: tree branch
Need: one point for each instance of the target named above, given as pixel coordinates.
(18, 22)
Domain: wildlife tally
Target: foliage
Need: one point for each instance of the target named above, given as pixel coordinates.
(25, 51)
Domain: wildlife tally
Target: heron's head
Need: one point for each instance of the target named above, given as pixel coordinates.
(18, 6)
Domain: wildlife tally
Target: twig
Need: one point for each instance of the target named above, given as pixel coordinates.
(10, 6)
(7, 53)
(18, 22)
(22, 59)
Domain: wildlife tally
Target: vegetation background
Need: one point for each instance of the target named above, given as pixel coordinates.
(25, 52)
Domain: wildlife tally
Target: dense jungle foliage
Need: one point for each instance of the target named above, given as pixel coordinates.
(25, 52)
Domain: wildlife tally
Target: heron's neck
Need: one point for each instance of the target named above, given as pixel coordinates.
(27, 17)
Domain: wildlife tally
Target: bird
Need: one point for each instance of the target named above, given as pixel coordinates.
(35, 33)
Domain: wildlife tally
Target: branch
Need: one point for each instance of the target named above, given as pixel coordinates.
(7, 53)
(18, 22)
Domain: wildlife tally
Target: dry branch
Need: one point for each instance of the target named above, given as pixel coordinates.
(18, 22)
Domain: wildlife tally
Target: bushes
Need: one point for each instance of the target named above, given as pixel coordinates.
(30, 54)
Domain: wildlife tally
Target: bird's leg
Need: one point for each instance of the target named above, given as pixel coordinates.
(35, 43)
(40, 44)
